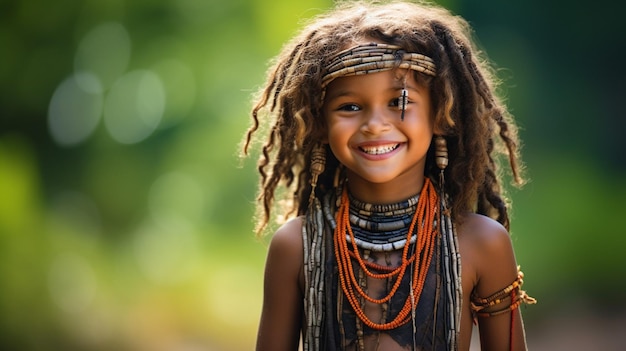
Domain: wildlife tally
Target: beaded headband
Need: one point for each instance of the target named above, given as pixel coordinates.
(375, 57)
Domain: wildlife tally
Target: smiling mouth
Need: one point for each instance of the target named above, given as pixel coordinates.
(379, 149)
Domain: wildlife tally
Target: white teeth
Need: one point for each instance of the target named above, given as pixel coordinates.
(379, 150)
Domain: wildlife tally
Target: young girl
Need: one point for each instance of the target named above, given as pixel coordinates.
(384, 128)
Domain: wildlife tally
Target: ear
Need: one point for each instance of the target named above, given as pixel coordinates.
(322, 135)
(437, 130)
(442, 128)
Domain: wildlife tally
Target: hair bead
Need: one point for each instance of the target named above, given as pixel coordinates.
(441, 152)
(318, 164)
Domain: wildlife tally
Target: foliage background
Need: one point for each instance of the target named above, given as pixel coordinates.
(136, 233)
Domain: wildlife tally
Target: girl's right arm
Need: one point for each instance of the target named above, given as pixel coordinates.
(281, 317)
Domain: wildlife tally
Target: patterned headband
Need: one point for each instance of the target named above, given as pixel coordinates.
(375, 57)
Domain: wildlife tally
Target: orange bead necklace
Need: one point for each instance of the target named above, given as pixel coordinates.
(424, 220)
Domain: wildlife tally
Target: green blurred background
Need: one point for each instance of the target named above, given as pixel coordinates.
(126, 214)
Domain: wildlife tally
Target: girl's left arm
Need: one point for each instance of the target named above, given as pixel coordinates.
(500, 325)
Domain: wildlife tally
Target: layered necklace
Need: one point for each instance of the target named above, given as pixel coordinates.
(383, 228)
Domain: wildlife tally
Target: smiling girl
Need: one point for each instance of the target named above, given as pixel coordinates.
(384, 126)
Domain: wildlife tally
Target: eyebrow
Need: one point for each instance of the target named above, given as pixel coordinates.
(348, 92)
(339, 94)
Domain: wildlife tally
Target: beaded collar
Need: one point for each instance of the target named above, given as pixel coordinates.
(378, 227)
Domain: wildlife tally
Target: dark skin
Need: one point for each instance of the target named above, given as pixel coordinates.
(385, 159)
(488, 265)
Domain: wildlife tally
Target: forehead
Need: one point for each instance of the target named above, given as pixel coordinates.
(385, 80)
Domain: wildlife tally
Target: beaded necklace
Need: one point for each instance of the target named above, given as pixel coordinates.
(424, 220)
(322, 331)
(381, 228)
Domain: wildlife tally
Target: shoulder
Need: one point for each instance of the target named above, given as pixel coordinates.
(284, 264)
(487, 251)
(286, 243)
(483, 233)
(289, 235)
(285, 257)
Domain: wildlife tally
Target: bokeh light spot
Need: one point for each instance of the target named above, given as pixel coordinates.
(75, 109)
(180, 90)
(134, 106)
(166, 254)
(105, 50)
(71, 282)
(176, 195)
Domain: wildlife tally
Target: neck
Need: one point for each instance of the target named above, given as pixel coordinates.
(385, 193)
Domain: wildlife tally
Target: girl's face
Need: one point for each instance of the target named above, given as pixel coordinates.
(367, 135)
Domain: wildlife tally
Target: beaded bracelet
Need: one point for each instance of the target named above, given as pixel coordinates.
(513, 291)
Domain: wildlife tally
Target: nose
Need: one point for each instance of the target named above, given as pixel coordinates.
(376, 121)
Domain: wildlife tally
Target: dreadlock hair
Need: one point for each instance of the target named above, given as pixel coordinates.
(468, 112)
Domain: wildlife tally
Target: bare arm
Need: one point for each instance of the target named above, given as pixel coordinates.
(281, 317)
(496, 269)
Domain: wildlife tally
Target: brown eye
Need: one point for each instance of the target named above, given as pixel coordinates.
(349, 108)
(397, 103)
(400, 102)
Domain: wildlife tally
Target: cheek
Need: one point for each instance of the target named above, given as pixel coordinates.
(342, 128)
(338, 138)
(334, 138)
(334, 126)
(422, 123)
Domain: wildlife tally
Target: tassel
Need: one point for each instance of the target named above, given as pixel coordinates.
(318, 164)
